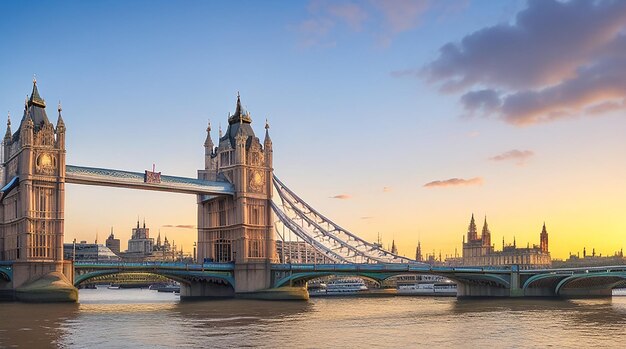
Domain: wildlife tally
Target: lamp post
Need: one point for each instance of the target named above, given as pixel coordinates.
(74, 251)
(194, 252)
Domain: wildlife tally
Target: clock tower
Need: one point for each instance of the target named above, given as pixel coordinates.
(239, 229)
(32, 204)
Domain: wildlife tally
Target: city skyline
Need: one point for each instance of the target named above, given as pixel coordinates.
(369, 139)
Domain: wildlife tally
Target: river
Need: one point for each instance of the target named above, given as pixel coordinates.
(147, 319)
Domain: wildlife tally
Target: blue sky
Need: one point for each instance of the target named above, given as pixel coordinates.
(353, 94)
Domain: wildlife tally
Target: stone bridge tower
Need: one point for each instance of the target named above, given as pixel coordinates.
(239, 228)
(33, 198)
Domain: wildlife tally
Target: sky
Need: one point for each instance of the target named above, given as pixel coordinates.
(396, 117)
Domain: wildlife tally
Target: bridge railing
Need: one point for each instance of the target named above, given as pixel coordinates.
(170, 265)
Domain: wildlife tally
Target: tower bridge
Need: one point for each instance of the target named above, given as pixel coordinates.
(238, 222)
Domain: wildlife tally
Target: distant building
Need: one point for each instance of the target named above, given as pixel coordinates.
(299, 252)
(142, 248)
(478, 251)
(84, 252)
(593, 260)
(112, 243)
(140, 242)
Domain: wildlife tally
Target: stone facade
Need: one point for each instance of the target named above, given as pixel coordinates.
(239, 228)
(33, 197)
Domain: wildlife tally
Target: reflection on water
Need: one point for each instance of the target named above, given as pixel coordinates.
(148, 319)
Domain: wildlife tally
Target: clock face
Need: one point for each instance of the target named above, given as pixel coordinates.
(45, 164)
(256, 180)
(45, 160)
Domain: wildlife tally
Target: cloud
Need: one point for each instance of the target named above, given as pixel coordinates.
(383, 19)
(182, 226)
(387, 189)
(342, 196)
(556, 60)
(367, 217)
(520, 156)
(454, 182)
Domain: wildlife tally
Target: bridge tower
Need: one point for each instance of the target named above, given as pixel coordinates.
(32, 203)
(239, 228)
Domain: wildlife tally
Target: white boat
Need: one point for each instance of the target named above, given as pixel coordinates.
(339, 287)
(114, 287)
(442, 289)
(619, 292)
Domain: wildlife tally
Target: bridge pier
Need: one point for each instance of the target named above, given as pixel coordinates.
(44, 282)
(466, 290)
(201, 289)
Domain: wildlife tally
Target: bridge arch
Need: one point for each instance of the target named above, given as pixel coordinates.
(184, 277)
(379, 277)
(590, 284)
(6, 273)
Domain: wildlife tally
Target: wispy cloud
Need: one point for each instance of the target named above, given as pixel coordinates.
(556, 60)
(367, 217)
(342, 196)
(387, 189)
(381, 19)
(519, 156)
(182, 226)
(454, 182)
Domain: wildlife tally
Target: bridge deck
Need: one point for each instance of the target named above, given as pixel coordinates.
(135, 180)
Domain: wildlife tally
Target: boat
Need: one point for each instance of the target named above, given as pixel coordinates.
(425, 285)
(441, 289)
(619, 292)
(165, 287)
(339, 287)
(114, 287)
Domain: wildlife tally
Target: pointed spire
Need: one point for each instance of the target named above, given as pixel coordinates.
(144, 222)
(35, 98)
(60, 123)
(240, 115)
(208, 143)
(267, 139)
(8, 134)
(472, 233)
(543, 230)
(486, 234)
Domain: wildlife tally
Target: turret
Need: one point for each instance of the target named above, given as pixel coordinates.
(267, 145)
(486, 234)
(472, 234)
(418, 252)
(7, 135)
(544, 239)
(60, 130)
(208, 148)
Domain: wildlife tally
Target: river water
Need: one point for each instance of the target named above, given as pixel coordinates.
(148, 319)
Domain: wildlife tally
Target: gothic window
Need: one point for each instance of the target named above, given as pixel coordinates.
(222, 251)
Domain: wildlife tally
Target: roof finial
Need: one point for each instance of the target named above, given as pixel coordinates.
(267, 124)
(59, 107)
(9, 122)
(35, 79)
